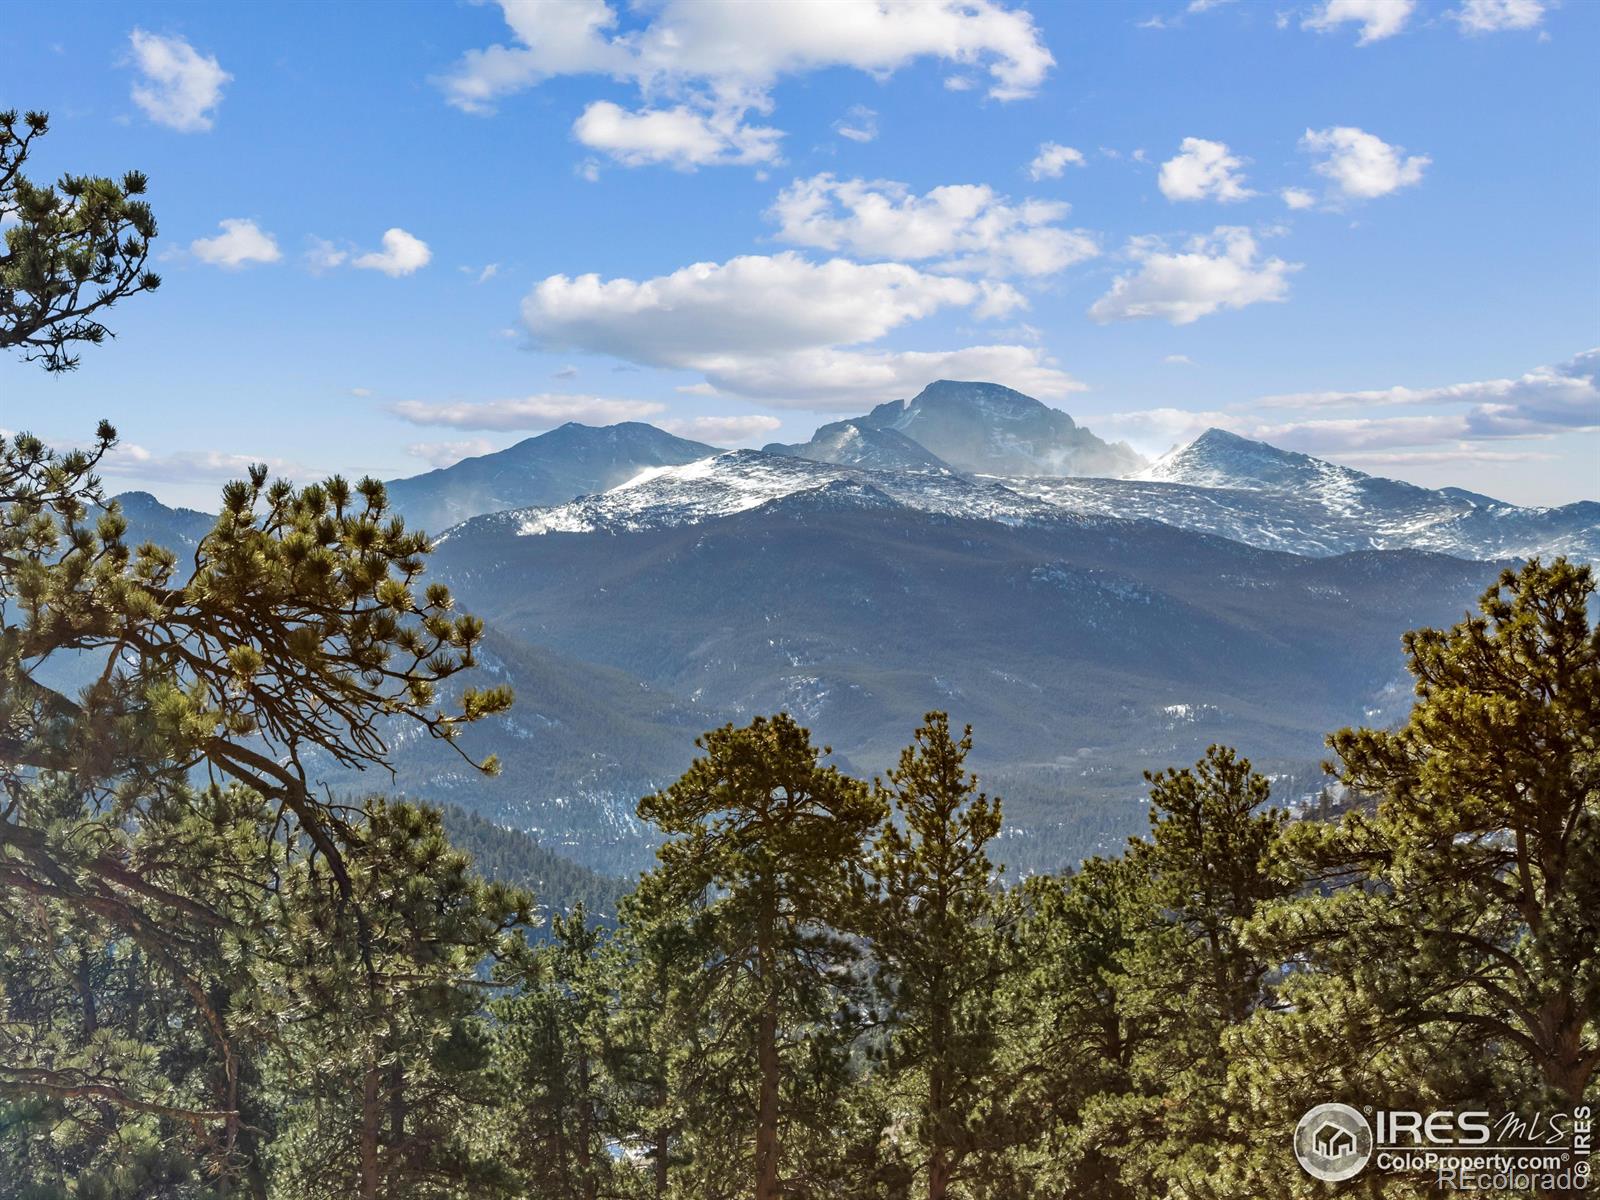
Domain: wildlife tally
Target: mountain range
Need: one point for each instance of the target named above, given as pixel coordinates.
(949, 551)
(569, 461)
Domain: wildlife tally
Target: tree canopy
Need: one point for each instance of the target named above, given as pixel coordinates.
(68, 251)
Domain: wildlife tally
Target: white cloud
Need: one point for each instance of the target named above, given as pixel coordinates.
(1458, 453)
(240, 243)
(1545, 402)
(1545, 399)
(543, 411)
(1492, 16)
(731, 46)
(402, 254)
(193, 466)
(323, 255)
(681, 137)
(717, 60)
(447, 454)
(1212, 272)
(1203, 170)
(1361, 165)
(859, 124)
(844, 380)
(1154, 431)
(1378, 19)
(753, 304)
(1178, 360)
(721, 431)
(361, 392)
(1297, 197)
(784, 329)
(967, 227)
(1053, 158)
(181, 87)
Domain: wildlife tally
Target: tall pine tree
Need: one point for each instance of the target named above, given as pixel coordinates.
(765, 848)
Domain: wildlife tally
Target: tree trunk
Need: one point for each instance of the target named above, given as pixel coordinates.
(1565, 1065)
(371, 1123)
(397, 1107)
(767, 1061)
(662, 1143)
(938, 1173)
(938, 1055)
(591, 1185)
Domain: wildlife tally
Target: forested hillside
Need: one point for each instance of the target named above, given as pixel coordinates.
(558, 885)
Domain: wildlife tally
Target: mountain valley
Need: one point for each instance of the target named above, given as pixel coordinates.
(955, 551)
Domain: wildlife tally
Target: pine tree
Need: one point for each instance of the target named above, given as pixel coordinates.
(551, 1049)
(1466, 909)
(940, 939)
(69, 251)
(390, 1055)
(1074, 1031)
(765, 851)
(1187, 977)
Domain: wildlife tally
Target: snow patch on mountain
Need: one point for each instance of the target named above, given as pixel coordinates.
(741, 480)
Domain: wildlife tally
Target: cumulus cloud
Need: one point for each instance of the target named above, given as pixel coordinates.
(783, 329)
(1378, 19)
(1360, 165)
(1053, 158)
(447, 454)
(966, 227)
(543, 411)
(240, 243)
(1297, 198)
(720, 431)
(178, 87)
(1215, 271)
(753, 304)
(1203, 170)
(719, 59)
(680, 137)
(859, 124)
(1493, 16)
(402, 254)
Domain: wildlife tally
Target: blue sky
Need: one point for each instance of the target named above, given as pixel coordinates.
(393, 235)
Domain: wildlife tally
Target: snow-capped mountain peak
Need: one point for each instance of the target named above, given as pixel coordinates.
(1218, 458)
(740, 480)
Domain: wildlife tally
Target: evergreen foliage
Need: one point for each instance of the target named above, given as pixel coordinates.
(69, 252)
